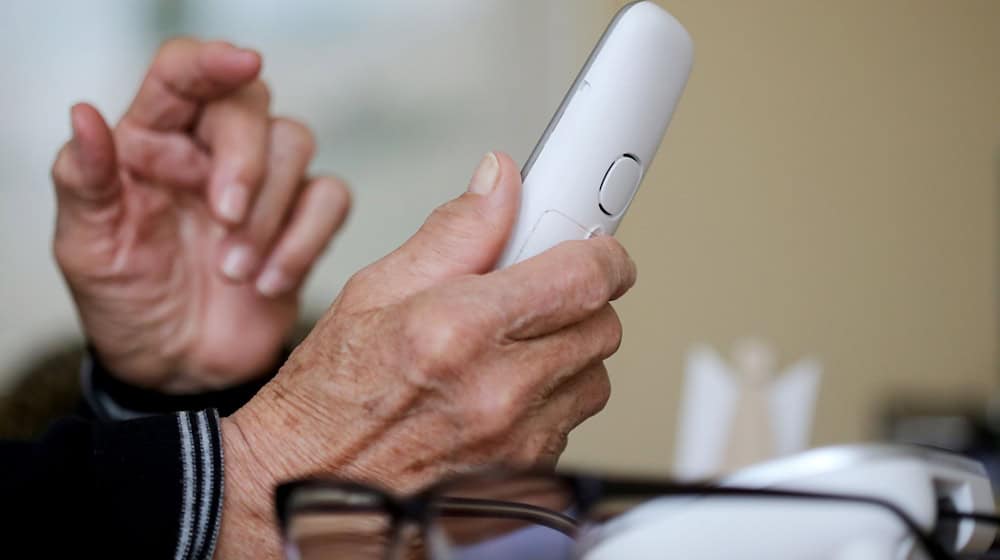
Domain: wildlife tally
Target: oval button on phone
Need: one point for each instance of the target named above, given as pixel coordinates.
(620, 184)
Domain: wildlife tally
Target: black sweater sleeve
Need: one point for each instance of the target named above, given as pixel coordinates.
(130, 478)
(144, 488)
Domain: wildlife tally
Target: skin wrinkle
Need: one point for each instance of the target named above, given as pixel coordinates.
(574, 278)
(150, 299)
(249, 104)
(163, 154)
(351, 450)
(78, 183)
(106, 219)
(152, 323)
(183, 108)
(199, 81)
(404, 437)
(395, 435)
(189, 233)
(99, 211)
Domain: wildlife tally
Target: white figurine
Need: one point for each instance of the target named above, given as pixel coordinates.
(733, 416)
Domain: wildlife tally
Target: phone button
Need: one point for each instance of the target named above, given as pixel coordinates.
(619, 186)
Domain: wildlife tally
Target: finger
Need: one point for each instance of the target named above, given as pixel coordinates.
(236, 131)
(561, 286)
(291, 149)
(549, 360)
(581, 396)
(318, 214)
(185, 74)
(167, 158)
(84, 172)
(464, 236)
(578, 398)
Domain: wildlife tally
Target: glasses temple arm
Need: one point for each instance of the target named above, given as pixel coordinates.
(501, 509)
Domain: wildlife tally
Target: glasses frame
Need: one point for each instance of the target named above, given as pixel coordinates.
(587, 490)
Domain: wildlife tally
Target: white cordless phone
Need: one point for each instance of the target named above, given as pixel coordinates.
(582, 175)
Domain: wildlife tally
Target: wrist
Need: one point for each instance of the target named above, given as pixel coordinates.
(248, 526)
(112, 397)
(183, 372)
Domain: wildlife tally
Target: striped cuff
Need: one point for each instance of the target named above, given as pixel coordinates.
(202, 476)
(161, 480)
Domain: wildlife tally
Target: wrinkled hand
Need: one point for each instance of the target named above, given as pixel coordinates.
(186, 232)
(429, 364)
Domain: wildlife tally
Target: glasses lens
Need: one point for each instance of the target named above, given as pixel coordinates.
(322, 536)
(505, 516)
(327, 523)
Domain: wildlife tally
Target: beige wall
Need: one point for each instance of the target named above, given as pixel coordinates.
(829, 183)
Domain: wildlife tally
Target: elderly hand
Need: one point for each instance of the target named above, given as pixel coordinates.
(186, 232)
(428, 363)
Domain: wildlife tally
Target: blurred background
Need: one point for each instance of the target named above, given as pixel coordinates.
(829, 183)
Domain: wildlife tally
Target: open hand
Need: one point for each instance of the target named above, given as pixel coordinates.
(185, 232)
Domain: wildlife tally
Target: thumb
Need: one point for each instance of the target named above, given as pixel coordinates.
(84, 172)
(464, 236)
(86, 183)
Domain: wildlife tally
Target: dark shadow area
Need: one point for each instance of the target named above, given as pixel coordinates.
(48, 388)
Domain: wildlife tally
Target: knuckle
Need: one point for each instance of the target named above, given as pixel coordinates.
(553, 447)
(587, 274)
(457, 220)
(294, 135)
(173, 45)
(541, 449)
(259, 91)
(444, 216)
(438, 340)
(359, 279)
(619, 261)
(77, 262)
(589, 395)
(335, 194)
(495, 411)
(293, 260)
(62, 252)
(613, 332)
(359, 286)
(598, 393)
(62, 167)
(170, 50)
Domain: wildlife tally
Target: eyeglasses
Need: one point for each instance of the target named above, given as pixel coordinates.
(538, 515)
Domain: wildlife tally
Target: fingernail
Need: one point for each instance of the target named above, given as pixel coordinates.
(245, 56)
(485, 178)
(273, 282)
(238, 262)
(233, 203)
